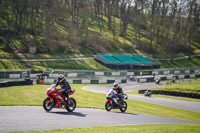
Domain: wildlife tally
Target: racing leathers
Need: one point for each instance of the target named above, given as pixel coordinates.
(65, 88)
(118, 93)
(118, 90)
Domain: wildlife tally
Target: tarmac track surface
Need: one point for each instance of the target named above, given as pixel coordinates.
(32, 118)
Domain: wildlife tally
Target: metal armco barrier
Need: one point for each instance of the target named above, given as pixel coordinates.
(16, 83)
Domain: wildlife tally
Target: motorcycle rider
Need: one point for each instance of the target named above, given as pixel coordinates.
(118, 90)
(174, 80)
(148, 92)
(65, 87)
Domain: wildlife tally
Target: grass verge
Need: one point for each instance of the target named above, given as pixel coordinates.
(135, 92)
(188, 87)
(156, 128)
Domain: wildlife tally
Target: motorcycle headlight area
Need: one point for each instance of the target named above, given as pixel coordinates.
(125, 96)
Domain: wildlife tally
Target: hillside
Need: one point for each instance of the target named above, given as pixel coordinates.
(61, 29)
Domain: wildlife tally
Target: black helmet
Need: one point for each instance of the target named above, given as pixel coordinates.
(61, 77)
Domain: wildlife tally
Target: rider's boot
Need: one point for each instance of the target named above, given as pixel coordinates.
(66, 101)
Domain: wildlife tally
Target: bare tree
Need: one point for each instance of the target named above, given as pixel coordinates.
(125, 9)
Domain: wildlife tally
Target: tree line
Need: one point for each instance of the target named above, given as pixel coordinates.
(171, 25)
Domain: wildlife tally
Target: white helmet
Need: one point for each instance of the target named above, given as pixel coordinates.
(116, 85)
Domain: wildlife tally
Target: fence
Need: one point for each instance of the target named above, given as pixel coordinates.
(20, 74)
(91, 76)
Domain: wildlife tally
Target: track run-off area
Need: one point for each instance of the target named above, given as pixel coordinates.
(186, 105)
(34, 118)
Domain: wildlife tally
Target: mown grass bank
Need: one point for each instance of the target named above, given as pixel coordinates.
(149, 128)
(87, 64)
(182, 63)
(35, 94)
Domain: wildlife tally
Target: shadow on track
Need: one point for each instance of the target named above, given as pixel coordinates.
(123, 113)
(70, 113)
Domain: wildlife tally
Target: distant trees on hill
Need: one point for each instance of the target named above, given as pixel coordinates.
(171, 26)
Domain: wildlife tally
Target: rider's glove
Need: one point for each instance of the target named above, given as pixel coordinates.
(60, 91)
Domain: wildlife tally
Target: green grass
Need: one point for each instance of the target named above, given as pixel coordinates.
(183, 63)
(156, 128)
(35, 94)
(52, 56)
(188, 87)
(166, 96)
(177, 98)
(10, 65)
(23, 95)
(139, 107)
(88, 64)
(8, 55)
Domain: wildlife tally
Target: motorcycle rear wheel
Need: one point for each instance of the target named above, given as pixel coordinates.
(108, 106)
(47, 105)
(123, 107)
(72, 105)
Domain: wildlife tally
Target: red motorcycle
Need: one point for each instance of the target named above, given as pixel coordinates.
(56, 100)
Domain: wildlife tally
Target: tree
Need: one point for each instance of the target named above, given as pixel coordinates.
(125, 9)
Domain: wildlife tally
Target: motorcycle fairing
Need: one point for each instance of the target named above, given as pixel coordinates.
(72, 91)
(110, 100)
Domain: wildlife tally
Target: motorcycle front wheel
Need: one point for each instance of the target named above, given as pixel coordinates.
(123, 106)
(72, 105)
(47, 105)
(108, 106)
